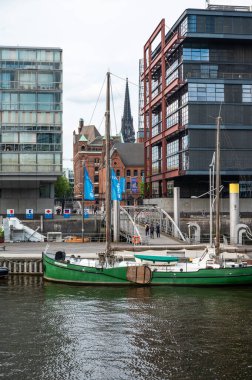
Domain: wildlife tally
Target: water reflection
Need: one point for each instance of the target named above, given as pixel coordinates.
(54, 331)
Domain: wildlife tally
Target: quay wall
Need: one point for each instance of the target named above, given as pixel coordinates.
(22, 266)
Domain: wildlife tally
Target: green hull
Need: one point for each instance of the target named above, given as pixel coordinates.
(70, 273)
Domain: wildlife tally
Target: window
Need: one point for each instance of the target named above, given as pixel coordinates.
(247, 93)
(171, 68)
(96, 178)
(45, 102)
(118, 173)
(156, 159)
(142, 173)
(28, 101)
(202, 92)
(192, 23)
(184, 98)
(44, 191)
(184, 115)
(128, 185)
(9, 137)
(191, 54)
(128, 173)
(135, 173)
(172, 107)
(172, 120)
(26, 137)
(172, 77)
(173, 155)
(208, 71)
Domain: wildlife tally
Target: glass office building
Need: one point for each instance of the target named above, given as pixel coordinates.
(30, 127)
(199, 69)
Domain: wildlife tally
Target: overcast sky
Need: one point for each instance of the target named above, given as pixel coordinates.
(95, 35)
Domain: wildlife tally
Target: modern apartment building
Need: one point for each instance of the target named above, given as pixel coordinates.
(200, 69)
(30, 127)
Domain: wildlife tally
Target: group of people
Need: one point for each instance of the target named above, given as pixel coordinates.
(149, 230)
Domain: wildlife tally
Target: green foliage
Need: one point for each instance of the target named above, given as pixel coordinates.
(63, 188)
(1, 232)
(141, 188)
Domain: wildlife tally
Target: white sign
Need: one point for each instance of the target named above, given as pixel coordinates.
(48, 211)
(10, 212)
(29, 211)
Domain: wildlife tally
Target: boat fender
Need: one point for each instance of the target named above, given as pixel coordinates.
(60, 255)
(181, 269)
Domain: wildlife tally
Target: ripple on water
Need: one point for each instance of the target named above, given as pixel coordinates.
(63, 332)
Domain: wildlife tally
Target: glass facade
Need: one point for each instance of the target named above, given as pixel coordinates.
(30, 110)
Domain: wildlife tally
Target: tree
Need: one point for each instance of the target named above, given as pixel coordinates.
(63, 189)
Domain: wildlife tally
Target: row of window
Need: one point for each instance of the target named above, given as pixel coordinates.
(216, 24)
(29, 80)
(18, 128)
(129, 172)
(26, 65)
(195, 54)
(42, 159)
(30, 137)
(30, 101)
(31, 147)
(30, 55)
(212, 92)
(32, 117)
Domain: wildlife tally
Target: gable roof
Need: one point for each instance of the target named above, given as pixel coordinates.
(132, 154)
(90, 132)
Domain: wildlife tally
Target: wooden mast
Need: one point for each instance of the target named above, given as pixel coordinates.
(217, 201)
(107, 160)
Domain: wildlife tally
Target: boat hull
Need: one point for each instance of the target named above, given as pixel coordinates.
(3, 272)
(63, 271)
(205, 277)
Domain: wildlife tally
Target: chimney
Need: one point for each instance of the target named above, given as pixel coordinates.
(81, 124)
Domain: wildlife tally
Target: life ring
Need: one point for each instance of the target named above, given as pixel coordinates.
(136, 239)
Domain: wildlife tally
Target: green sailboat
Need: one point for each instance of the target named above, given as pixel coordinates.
(207, 270)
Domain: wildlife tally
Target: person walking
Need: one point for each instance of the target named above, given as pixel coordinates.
(152, 231)
(147, 229)
(158, 230)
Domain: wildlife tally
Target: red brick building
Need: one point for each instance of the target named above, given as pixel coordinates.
(88, 148)
(127, 160)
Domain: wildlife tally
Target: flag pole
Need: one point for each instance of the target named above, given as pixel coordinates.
(83, 198)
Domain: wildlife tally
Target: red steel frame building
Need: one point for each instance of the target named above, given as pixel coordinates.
(153, 62)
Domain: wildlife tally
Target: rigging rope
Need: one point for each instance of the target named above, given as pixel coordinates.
(97, 101)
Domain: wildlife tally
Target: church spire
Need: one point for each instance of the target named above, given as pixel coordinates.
(127, 128)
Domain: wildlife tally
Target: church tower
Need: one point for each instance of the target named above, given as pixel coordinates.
(127, 129)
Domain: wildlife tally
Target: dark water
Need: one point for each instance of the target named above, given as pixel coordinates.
(58, 332)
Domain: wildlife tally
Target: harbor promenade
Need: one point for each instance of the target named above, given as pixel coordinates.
(89, 250)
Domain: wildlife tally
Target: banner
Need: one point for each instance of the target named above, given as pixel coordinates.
(88, 187)
(133, 185)
(116, 194)
(123, 184)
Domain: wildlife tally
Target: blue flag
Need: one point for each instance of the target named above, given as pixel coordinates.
(123, 184)
(88, 187)
(116, 194)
